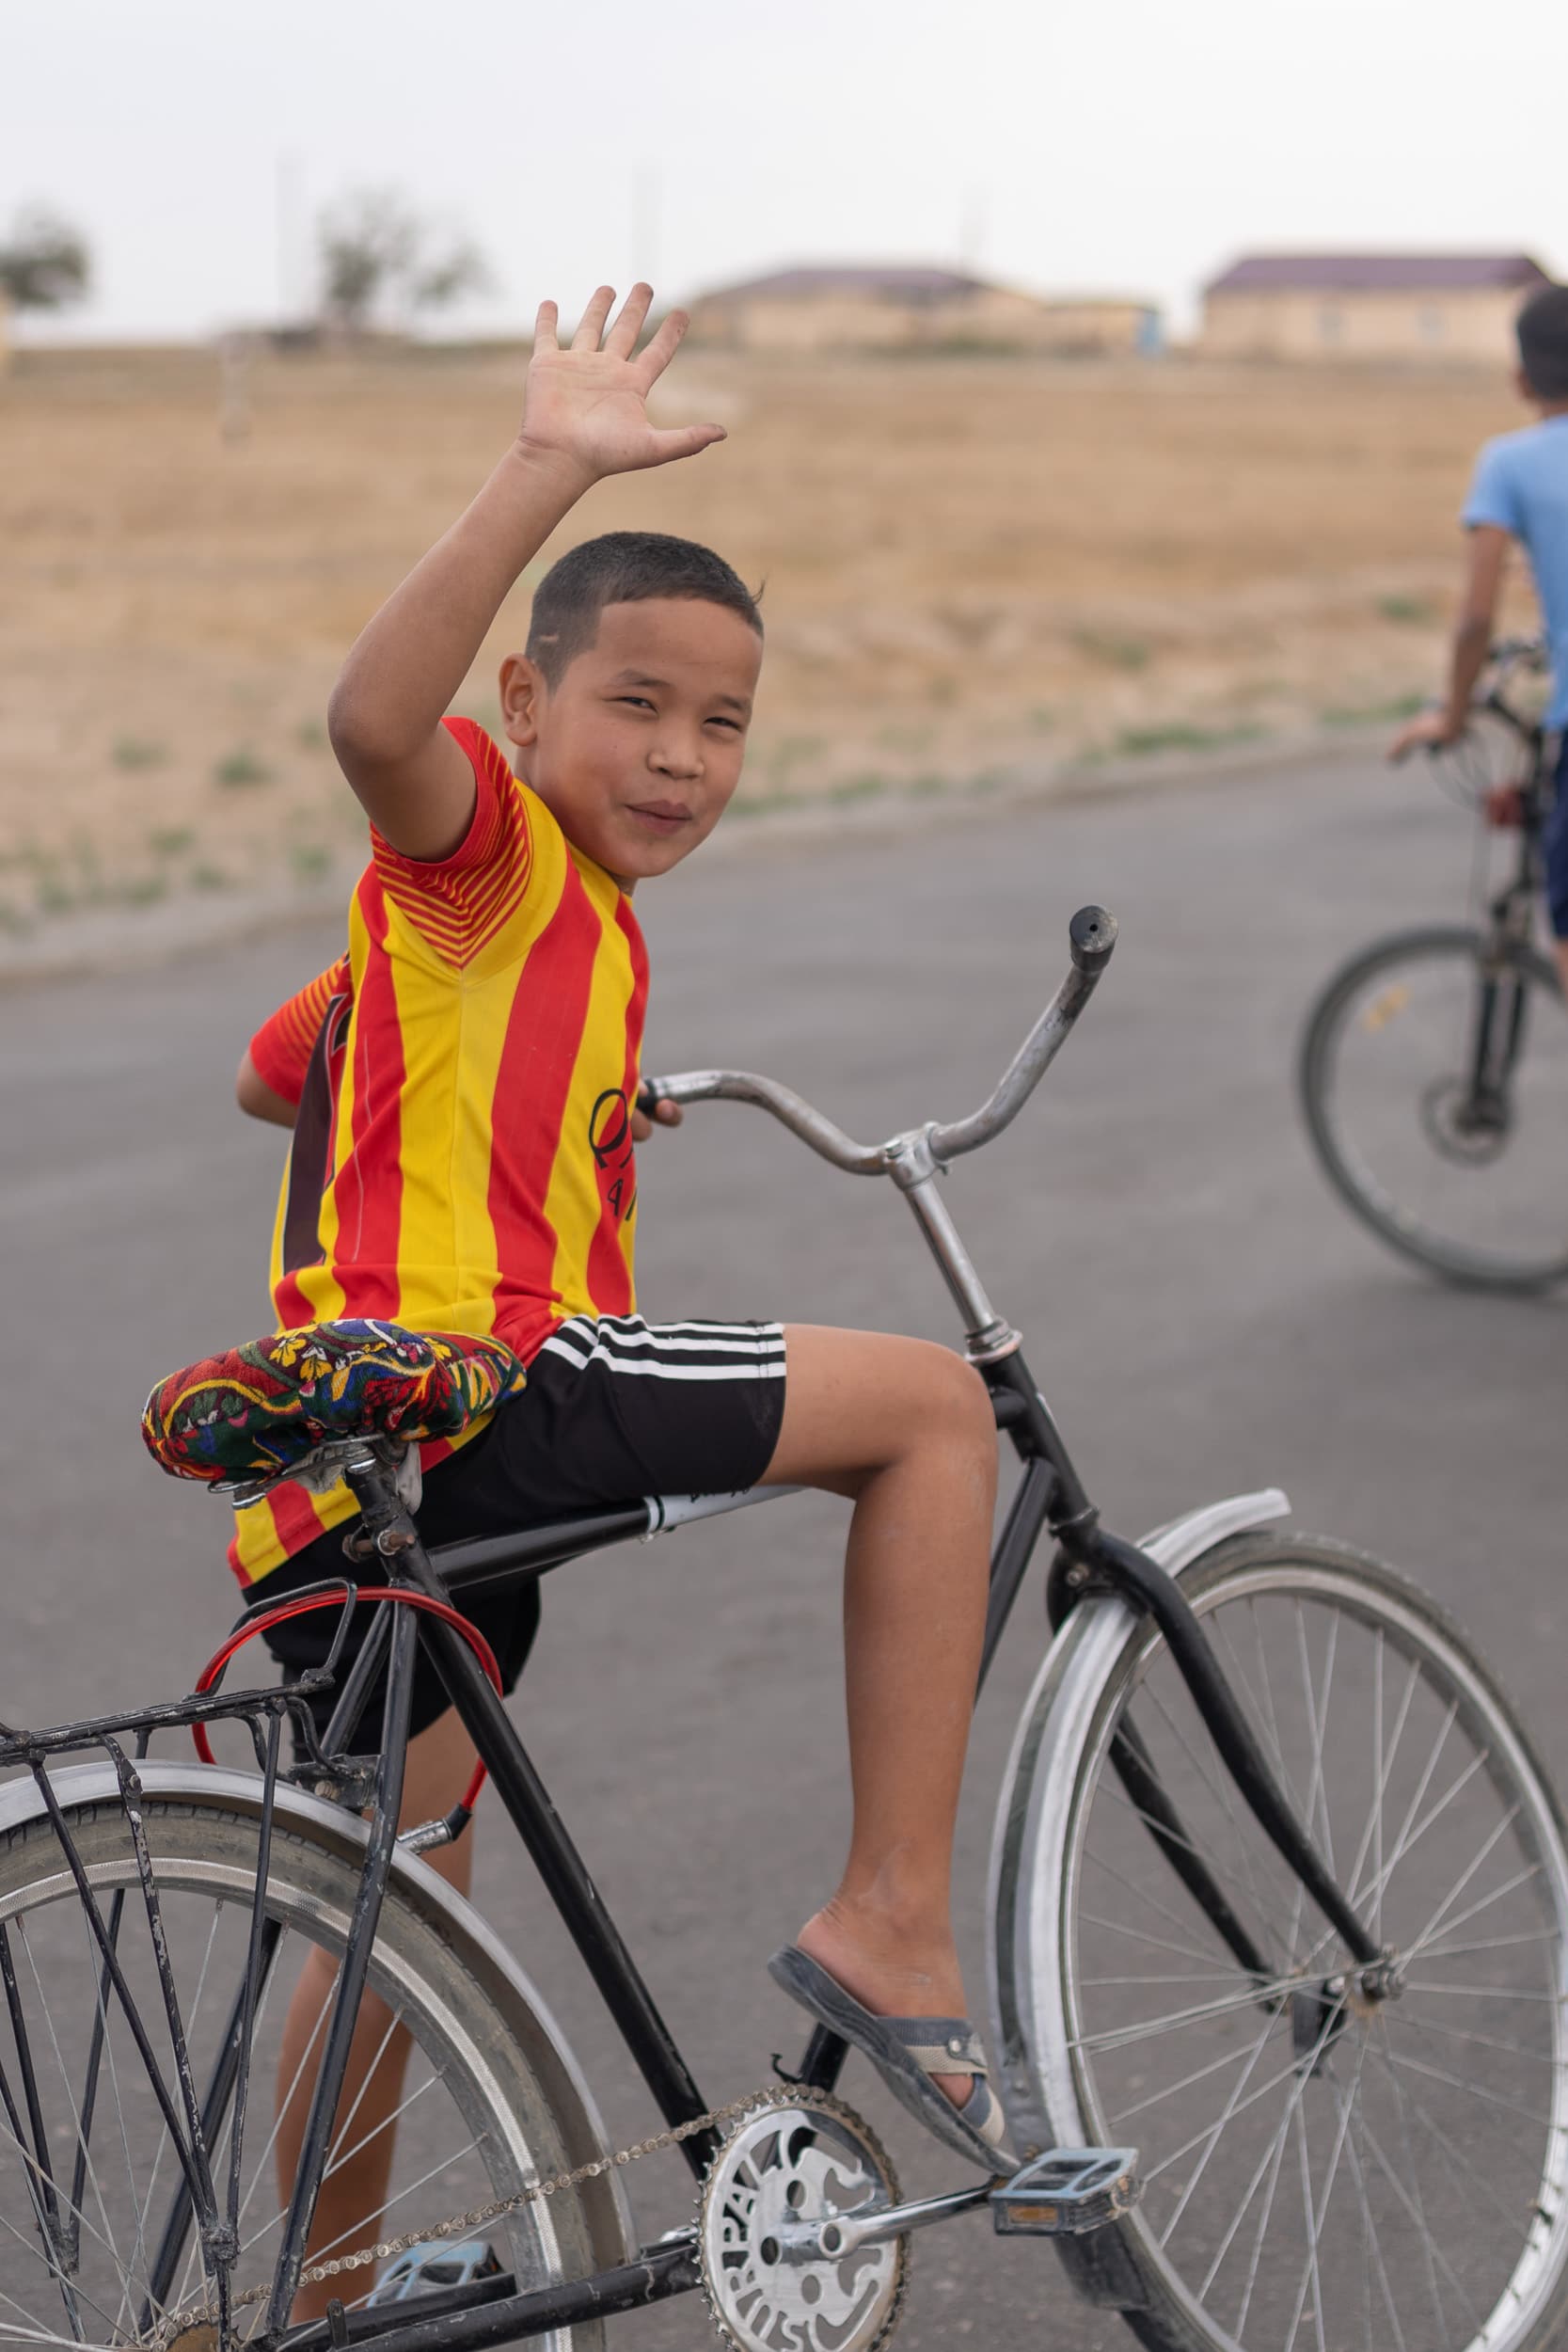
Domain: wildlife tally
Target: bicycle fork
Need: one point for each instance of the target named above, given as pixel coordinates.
(1500, 1041)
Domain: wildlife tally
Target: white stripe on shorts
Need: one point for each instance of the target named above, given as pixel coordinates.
(627, 1344)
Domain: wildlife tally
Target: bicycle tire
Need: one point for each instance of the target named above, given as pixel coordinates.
(1214, 2256)
(1395, 972)
(481, 2066)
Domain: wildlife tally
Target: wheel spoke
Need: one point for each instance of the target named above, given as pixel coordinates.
(387, 2123)
(1482, 1992)
(1426, 2024)
(1272, 2163)
(1212, 2140)
(1363, 2198)
(145, 2207)
(1120, 2037)
(108, 2234)
(1161, 1942)
(1373, 1832)
(1198, 2074)
(1468, 2177)
(1310, 2276)
(1271, 2082)
(1474, 2090)
(1407, 1834)
(1432, 2252)
(321, 2254)
(1489, 1943)
(75, 2290)
(1510, 1886)
(1140, 1894)
(1317, 1802)
(1215, 1784)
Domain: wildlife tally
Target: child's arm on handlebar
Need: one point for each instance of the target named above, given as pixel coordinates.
(1471, 644)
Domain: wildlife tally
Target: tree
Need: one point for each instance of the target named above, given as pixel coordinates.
(377, 254)
(44, 262)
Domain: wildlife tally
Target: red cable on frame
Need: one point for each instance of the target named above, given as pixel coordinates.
(302, 1606)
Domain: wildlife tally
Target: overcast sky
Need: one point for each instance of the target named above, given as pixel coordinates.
(1107, 145)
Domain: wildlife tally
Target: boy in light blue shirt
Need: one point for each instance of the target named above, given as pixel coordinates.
(1519, 493)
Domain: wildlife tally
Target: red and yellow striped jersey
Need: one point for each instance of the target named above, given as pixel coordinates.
(283, 1045)
(463, 1159)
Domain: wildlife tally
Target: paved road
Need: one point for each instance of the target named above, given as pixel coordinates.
(1205, 1317)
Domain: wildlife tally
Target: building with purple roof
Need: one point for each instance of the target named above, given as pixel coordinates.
(1369, 306)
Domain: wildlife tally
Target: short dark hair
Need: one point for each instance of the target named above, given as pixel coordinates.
(625, 567)
(1543, 330)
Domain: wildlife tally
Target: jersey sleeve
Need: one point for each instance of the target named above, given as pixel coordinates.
(1494, 496)
(282, 1047)
(459, 903)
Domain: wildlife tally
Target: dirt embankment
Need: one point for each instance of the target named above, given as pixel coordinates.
(970, 567)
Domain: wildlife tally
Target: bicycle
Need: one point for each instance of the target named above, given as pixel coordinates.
(1278, 1958)
(1433, 1066)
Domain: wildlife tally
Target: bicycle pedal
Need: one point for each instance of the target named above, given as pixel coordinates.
(1066, 2192)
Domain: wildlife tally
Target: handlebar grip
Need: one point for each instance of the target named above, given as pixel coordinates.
(1091, 936)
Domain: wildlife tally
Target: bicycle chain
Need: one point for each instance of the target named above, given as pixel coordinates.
(177, 2324)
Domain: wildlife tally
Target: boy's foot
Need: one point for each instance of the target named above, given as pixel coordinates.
(889, 1973)
(906, 2050)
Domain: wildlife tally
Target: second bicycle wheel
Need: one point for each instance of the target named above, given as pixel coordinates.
(1326, 2165)
(97, 2247)
(1436, 1092)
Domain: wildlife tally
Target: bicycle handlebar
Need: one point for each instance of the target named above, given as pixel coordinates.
(1091, 937)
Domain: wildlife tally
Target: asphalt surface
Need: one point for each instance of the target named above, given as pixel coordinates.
(1203, 1314)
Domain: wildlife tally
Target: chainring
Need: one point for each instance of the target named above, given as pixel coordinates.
(802, 2156)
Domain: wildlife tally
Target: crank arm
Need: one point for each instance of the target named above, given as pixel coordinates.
(845, 2234)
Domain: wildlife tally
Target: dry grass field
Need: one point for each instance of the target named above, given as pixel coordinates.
(970, 568)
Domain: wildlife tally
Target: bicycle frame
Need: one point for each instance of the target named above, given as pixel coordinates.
(1050, 1499)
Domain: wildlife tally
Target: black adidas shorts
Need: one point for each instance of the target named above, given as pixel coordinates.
(615, 1408)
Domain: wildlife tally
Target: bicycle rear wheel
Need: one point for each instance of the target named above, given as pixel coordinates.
(1322, 2168)
(1449, 1146)
(96, 2242)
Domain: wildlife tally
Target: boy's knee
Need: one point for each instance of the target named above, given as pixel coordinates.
(957, 1401)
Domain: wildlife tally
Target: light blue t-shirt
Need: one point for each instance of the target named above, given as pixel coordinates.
(1521, 485)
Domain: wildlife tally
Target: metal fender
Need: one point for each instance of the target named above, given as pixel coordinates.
(1027, 1858)
(519, 2009)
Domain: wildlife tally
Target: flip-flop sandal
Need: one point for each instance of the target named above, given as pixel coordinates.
(907, 2052)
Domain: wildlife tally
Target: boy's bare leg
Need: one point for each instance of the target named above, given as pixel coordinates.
(440, 1760)
(1559, 948)
(906, 1431)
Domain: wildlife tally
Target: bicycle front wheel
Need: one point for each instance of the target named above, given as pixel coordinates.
(97, 2241)
(1433, 1079)
(1323, 2166)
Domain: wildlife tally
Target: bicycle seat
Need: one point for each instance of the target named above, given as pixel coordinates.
(258, 1412)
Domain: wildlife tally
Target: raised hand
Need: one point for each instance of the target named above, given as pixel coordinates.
(587, 404)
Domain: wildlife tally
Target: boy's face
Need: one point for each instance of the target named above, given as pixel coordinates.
(636, 748)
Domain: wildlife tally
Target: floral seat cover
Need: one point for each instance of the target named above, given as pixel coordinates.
(258, 1411)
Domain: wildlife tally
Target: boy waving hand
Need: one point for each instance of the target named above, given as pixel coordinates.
(469, 1165)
